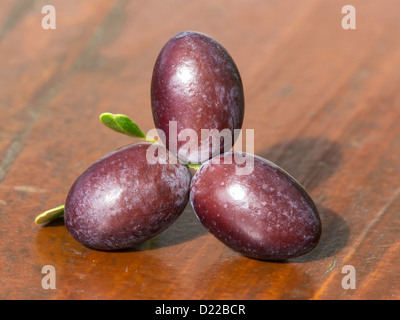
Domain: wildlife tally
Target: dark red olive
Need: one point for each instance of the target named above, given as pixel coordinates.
(122, 200)
(196, 85)
(266, 214)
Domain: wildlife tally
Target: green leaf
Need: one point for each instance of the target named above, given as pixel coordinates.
(108, 120)
(50, 215)
(122, 124)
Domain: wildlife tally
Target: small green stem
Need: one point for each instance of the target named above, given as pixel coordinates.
(50, 215)
(194, 166)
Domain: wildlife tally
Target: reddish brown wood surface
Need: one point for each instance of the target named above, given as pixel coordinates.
(324, 103)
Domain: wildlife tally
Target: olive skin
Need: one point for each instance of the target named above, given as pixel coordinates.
(122, 200)
(196, 83)
(265, 215)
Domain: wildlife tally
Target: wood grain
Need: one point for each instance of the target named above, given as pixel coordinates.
(324, 103)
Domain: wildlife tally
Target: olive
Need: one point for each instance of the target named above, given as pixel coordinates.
(196, 85)
(264, 214)
(122, 199)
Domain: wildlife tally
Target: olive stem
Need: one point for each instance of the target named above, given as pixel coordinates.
(123, 124)
(194, 166)
(50, 215)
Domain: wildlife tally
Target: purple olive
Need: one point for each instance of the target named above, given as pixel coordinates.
(122, 200)
(266, 214)
(196, 85)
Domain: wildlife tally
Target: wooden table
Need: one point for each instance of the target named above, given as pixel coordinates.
(324, 103)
